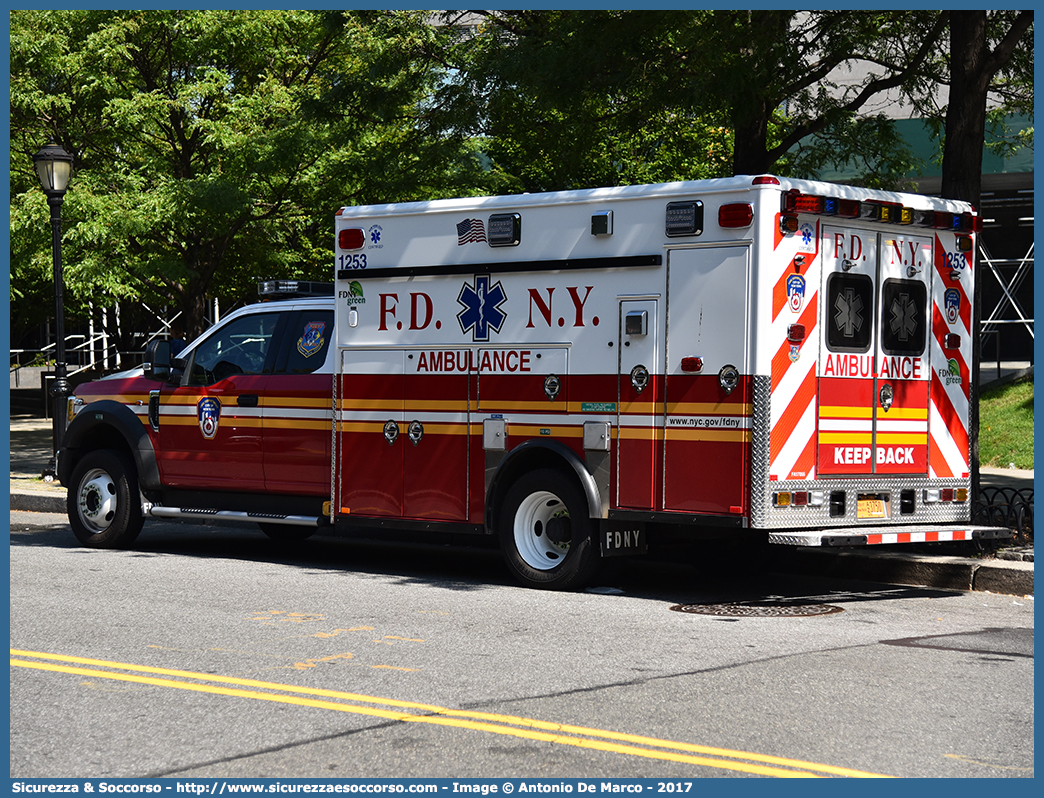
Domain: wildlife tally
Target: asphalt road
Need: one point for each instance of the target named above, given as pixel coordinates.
(212, 652)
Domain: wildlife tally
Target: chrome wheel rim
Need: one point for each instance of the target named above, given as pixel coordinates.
(534, 546)
(96, 500)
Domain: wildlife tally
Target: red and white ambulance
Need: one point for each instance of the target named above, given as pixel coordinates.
(576, 372)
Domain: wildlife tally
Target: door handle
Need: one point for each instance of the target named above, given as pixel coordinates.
(247, 400)
(415, 432)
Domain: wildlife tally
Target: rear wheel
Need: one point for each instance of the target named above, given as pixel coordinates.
(546, 534)
(104, 505)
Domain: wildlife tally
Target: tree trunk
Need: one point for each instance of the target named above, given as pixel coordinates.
(749, 149)
(966, 113)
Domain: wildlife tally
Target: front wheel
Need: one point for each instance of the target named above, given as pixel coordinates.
(546, 534)
(104, 505)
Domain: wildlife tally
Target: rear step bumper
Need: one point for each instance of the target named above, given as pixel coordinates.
(887, 535)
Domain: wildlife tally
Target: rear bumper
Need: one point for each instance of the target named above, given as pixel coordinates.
(871, 536)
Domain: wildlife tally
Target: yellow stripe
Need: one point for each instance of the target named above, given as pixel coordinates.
(908, 438)
(132, 399)
(180, 399)
(296, 423)
(497, 406)
(371, 404)
(708, 409)
(642, 408)
(413, 406)
(846, 437)
(556, 432)
(297, 401)
(641, 433)
(480, 721)
(736, 435)
(226, 421)
(916, 413)
(432, 428)
(828, 411)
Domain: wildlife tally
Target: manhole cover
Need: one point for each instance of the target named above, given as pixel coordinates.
(758, 610)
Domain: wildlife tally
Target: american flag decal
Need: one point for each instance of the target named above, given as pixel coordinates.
(470, 230)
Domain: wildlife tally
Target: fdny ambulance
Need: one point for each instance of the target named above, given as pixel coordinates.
(575, 373)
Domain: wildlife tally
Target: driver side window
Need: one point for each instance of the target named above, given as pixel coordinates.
(240, 347)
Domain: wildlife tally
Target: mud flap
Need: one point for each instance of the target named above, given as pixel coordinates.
(622, 538)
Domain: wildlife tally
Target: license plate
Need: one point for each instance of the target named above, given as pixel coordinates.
(619, 539)
(871, 508)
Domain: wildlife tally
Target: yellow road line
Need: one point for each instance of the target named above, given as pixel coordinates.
(479, 721)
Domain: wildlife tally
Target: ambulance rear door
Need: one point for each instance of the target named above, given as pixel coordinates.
(873, 370)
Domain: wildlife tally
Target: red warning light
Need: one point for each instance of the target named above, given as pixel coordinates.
(351, 238)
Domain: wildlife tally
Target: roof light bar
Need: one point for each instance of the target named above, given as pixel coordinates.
(793, 202)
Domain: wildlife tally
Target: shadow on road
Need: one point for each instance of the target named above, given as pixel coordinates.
(691, 575)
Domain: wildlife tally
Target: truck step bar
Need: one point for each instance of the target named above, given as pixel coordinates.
(196, 513)
(887, 535)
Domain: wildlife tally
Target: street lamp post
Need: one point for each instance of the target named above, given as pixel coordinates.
(54, 167)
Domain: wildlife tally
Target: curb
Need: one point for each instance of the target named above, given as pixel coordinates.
(38, 501)
(1012, 578)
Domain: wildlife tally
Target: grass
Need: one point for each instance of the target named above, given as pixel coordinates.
(1006, 426)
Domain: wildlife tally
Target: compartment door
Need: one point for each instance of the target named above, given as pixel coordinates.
(707, 432)
(640, 419)
(370, 432)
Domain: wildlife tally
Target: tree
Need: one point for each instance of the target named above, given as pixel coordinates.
(982, 46)
(688, 93)
(213, 147)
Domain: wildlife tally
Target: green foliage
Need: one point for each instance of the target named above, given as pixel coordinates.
(1006, 426)
(572, 99)
(213, 147)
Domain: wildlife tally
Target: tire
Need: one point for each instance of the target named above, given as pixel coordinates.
(287, 533)
(104, 504)
(546, 535)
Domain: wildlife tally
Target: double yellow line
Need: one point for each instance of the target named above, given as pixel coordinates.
(411, 712)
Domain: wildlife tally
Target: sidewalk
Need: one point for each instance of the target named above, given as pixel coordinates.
(31, 449)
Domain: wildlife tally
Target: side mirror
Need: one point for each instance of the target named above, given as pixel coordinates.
(157, 360)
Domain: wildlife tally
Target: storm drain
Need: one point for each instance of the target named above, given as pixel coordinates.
(758, 609)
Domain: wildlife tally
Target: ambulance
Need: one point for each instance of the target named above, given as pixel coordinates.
(578, 374)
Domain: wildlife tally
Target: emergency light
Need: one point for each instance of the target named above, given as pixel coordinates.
(793, 202)
(351, 238)
(735, 214)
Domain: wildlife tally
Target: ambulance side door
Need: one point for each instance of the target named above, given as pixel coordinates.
(297, 408)
(208, 435)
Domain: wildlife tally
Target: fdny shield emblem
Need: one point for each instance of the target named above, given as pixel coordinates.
(952, 298)
(312, 340)
(208, 410)
(795, 291)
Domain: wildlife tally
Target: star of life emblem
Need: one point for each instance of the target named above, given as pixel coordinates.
(208, 411)
(904, 317)
(481, 305)
(849, 317)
